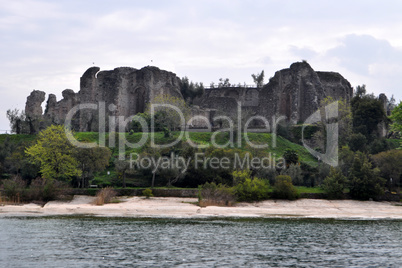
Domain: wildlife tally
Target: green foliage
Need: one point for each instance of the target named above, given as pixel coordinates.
(55, 154)
(396, 117)
(252, 189)
(44, 190)
(258, 79)
(358, 142)
(390, 165)
(18, 121)
(91, 160)
(335, 184)
(215, 194)
(295, 172)
(147, 193)
(165, 115)
(284, 189)
(291, 157)
(365, 181)
(189, 90)
(14, 187)
(368, 112)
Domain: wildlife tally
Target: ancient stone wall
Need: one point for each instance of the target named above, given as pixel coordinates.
(295, 93)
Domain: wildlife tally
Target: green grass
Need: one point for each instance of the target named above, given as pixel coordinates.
(309, 190)
(200, 138)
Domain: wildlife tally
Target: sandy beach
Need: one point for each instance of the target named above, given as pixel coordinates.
(183, 208)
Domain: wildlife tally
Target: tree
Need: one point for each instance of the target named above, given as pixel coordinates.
(284, 189)
(358, 142)
(258, 79)
(91, 160)
(390, 166)
(365, 181)
(55, 154)
(224, 82)
(396, 117)
(295, 172)
(368, 112)
(122, 167)
(334, 184)
(189, 90)
(18, 121)
(291, 157)
(165, 115)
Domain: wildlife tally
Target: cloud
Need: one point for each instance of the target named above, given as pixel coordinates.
(361, 53)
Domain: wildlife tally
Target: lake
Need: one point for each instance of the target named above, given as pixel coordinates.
(122, 242)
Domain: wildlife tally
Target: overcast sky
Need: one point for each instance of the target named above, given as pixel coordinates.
(47, 45)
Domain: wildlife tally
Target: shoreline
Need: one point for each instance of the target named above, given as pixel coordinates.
(174, 207)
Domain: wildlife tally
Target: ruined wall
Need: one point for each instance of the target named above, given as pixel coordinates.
(125, 92)
(295, 92)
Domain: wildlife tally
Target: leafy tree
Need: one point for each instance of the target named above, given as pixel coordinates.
(396, 117)
(224, 82)
(291, 157)
(295, 172)
(365, 181)
(390, 166)
(335, 184)
(258, 79)
(18, 121)
(122, 167)
(249, 189)
(360, 91)
(165, 116)
(91, 160)
(358, 142)
(189, 90)
(368, 112)
(54, 154)
(284, 189)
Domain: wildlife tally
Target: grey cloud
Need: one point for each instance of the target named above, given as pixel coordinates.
(357, 52)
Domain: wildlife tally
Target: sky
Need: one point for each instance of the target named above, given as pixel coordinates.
(48, 45)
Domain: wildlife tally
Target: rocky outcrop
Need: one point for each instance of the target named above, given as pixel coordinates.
(33, 106)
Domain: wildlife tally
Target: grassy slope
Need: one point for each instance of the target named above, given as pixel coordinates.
(205, 138)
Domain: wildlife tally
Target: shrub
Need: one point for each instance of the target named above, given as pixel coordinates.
(14, 188)
(212, 194)
(365, 181)
(249, 189)
(147, 193)
(334, 184)
(252, 190)
(284, 189)
(44, 190)
(104, 196)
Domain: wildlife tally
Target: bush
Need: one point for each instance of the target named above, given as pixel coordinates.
(147, 193)
(14, 189)
(104, 196)
(211, 194)
(249, 189)
(334, 184)
(44, 190)
(365, 181)
(284, 189)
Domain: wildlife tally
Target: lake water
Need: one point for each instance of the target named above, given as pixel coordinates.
(117, 242)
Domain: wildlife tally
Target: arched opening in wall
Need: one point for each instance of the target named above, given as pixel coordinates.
(232, 94)
(139, 105)
(285, 105)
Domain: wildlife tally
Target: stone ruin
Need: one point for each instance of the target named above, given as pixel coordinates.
(295, 93)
